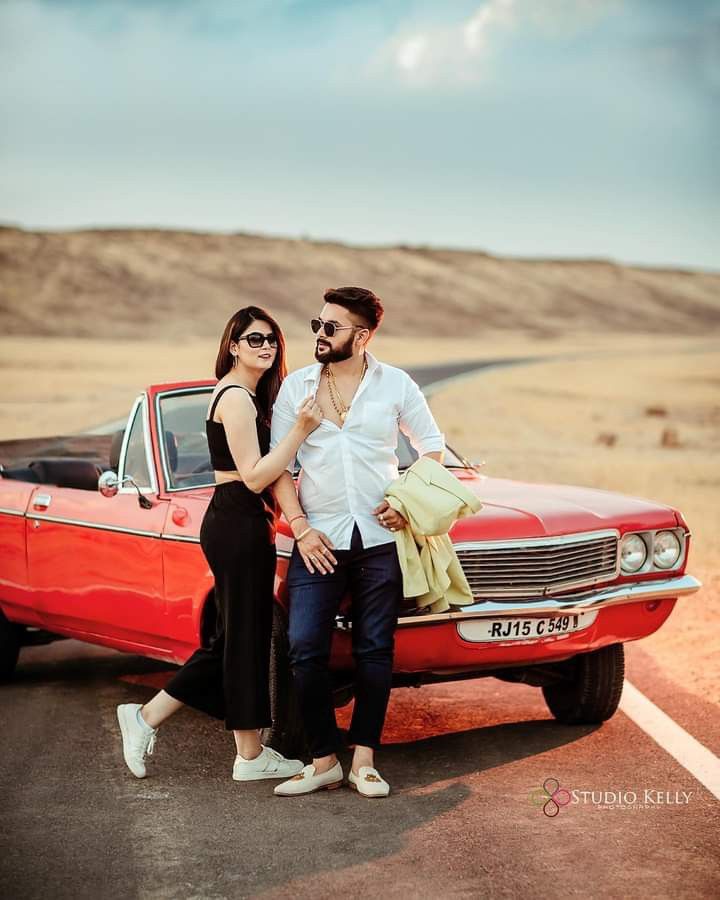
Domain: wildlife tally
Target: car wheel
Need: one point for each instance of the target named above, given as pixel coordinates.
(590, 691)
(10, 642)
(287, 734)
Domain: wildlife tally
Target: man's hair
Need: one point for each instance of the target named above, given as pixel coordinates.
(360, 302)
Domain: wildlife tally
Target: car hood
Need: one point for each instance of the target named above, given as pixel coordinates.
(517, 509)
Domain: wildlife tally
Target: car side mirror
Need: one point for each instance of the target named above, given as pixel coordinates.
(109, 484)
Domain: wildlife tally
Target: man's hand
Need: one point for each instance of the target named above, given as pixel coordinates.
(316, 550)
(388, 517)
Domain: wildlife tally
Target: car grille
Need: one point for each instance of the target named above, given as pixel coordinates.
(536, 566)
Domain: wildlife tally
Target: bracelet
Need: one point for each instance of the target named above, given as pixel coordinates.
(301, 536)
(299, 516)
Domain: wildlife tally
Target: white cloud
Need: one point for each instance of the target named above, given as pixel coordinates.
(410, 52)
(461, 52)
(478, 28)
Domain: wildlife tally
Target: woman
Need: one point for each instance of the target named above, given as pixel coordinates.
(229, 679)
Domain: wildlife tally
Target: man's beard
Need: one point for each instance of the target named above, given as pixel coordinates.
(333, 356)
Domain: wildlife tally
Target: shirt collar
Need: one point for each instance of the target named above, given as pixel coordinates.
(313, 373)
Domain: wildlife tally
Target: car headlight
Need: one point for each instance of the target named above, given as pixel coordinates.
(666, 550)
(633, 553)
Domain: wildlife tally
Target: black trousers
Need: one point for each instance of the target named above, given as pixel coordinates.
(229, 678)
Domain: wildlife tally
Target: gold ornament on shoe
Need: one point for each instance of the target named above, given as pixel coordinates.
(374, 778)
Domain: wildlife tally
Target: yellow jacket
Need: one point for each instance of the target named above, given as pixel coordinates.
(431, 499)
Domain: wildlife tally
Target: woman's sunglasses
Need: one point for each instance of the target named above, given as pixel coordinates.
(256, 340)
(329, 328)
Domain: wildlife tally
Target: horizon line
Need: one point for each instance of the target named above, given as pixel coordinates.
(399, 245)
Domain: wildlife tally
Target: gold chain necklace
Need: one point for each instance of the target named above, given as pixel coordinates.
(334, 392)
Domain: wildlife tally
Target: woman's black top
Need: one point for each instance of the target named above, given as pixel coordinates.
(220, 456)
(221, 459)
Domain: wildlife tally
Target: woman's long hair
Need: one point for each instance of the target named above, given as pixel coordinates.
(269, 384)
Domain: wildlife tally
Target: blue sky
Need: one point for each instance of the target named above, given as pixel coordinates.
(557, 128)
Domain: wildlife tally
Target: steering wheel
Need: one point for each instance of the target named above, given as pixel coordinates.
(203, 467)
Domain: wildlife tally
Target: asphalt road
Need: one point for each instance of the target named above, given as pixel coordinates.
(462, 760)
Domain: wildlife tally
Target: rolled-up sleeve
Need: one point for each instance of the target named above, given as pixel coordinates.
(283, 419)
(417, 422)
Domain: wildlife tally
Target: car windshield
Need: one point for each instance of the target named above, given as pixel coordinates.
(186, 459)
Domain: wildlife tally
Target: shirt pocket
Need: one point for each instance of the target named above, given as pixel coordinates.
(379, 421)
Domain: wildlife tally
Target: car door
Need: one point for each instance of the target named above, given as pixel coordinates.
(95, 562)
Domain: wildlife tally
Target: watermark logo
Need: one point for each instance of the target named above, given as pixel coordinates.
(550, 796)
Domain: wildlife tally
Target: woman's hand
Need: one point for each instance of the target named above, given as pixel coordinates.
(316, 550)
(388, 517)
(309, 416)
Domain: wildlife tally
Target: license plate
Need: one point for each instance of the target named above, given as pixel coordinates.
(513, 628)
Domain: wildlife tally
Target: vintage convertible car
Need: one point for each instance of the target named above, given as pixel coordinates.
(99, 541)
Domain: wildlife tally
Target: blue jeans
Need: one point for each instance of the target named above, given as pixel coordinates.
(374, 579)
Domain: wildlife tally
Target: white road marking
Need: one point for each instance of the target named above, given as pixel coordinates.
(673, 739)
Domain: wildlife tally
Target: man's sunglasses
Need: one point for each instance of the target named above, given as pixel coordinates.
(329, 328)
(256, 340)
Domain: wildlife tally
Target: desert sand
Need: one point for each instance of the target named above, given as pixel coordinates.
(56, 385)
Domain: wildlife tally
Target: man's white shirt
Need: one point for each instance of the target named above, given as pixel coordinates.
(345, 471)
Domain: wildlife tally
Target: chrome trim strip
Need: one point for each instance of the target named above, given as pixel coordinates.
(574, 538)
(98, 526)
(126, 437)
(284, 554)
(148, 445)
(163, 458)
(4, 510)
(183, 538)
(628, 593)
(140, 400)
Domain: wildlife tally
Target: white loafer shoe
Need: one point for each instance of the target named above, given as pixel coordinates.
(369, 782)
(268, 764)
(307, 781)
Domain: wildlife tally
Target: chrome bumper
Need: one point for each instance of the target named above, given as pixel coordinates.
(570, 603)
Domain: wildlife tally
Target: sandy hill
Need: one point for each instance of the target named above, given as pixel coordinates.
(136, 283)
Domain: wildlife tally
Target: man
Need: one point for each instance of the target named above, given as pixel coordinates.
(344, 529)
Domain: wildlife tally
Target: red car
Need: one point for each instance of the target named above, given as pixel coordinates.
(99, 541)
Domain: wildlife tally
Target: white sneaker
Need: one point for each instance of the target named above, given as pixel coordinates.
(307, 781)
(269, 764)
(137, 740)
(369, 782)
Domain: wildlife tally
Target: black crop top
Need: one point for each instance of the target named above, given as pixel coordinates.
(220, 456)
